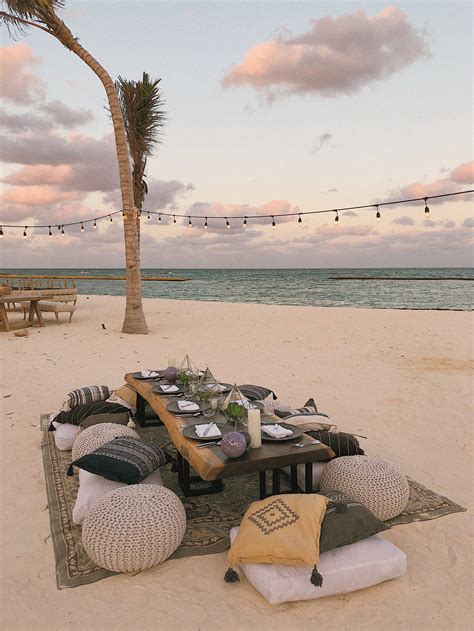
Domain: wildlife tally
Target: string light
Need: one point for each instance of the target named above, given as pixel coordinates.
(148, 215)
(24, 232)
(95, 224)
(159, 218)
(300, 221)
(427, 210)
(273, 222)
(50, 233)
(245, 223)
(227, 222)
(82, 227)
(174, 219)
(205, 224)
(110, 217)
(1, 232)
(336, 218)
(190, 223)
(377, 214)
(62, 231)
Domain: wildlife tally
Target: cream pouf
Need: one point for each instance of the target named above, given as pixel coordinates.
(134, 528)
(375, 483)
(96, 436)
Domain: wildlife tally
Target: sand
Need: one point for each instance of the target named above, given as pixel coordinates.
(401, 378)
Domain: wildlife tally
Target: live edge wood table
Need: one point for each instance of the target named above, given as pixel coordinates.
(211, 465)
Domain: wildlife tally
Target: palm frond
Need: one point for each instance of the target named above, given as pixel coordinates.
(18, 15)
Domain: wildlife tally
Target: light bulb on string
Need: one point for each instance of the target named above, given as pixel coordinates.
(159, 218)
(336, 218)
(1, 232)
(174, 219)
(300, 221)
(273, 222)
(50, 233)
(227, 222)
(82, 227)
(245, 223)
(205, 224)
(58, 227)
(190, 223)
(62, 231)
(427, 210)
(110, 217)
(95, 224)
(24, 232)
(377, 215)
(148, 215)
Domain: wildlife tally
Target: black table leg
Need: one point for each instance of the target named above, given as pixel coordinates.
(275, 481)
(263, 484)
(140, 415)
(308, 477)
(294, 478)
(185, 479)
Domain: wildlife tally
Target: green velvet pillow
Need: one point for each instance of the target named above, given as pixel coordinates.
(346, 522)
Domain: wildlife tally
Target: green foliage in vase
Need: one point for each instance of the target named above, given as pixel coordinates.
(235, 411)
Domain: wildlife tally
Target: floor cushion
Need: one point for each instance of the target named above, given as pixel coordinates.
(95, 436)
(92, 487)
(81, 412)
(344, 570)
(122, 418)
(134, 528)
(64, 435)
(88, 394)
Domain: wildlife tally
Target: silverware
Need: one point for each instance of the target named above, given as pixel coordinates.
(306, 444)
(208, 428)
(210, 444)
(187, 415)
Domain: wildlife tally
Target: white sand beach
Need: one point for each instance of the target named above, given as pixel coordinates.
(401, 378)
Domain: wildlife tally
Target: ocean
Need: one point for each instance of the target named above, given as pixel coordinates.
(309, 287)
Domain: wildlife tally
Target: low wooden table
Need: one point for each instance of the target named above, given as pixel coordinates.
(212, 465)
(32, 297)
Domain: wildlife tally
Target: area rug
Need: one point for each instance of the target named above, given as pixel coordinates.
(209, 517)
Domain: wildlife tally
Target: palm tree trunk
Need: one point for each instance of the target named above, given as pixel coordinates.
(134, 321)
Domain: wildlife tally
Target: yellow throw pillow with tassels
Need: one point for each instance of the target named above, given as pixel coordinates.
(280, 529)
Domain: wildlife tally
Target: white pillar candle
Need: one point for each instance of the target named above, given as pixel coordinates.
(172, 363)
(254, 427)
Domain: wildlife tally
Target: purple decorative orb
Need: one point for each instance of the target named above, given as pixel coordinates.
(247, 437)
(233, 445)
(170, 374)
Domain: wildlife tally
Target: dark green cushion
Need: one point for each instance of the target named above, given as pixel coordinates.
(343, 528)
(121, 418)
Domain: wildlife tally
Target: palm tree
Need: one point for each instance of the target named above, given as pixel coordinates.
(143, 116)
(41, 14)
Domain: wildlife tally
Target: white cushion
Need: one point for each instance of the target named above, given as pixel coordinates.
(65, 435)
(318, 468)
(92, 487)
(359, 565)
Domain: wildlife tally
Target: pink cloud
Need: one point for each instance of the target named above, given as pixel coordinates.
(463, 173)
(37, 195)
(18, 85)
(336, 55)
(39, 174)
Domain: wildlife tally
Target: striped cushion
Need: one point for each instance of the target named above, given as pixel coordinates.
(124, 459)
(85, 395)
(308, 408)
(342, 444)
(81, 412)
(256, 393)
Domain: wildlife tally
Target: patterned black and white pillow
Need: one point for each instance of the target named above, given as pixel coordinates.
(341, 443)
(308, 408)
(88, 394)
(256, 393)
(124, 459)
(81, 412)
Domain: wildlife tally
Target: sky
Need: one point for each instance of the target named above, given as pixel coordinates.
(271, 108)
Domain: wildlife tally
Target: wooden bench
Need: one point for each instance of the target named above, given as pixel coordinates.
(57, 308)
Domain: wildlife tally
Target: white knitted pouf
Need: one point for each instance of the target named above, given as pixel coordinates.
(98, 435)
(134, 528)
(375, 483)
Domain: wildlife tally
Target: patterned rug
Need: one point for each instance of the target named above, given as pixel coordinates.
(209, 517)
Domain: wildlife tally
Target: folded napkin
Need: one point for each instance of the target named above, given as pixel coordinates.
(276, 431)
(188, 406)
(213, 431)
(149, 373)
(248, 405)
(170, 388)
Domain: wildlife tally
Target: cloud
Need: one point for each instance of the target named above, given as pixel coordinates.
(17, 84)
(335, 56)
(462, 174)
(404, 221)
(322, 140)
(64, 116)
(38, 174)
(468, 223)
(349, 213)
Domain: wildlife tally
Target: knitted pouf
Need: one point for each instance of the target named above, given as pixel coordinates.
(134, 528)
(96, 436)
(375, 483)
